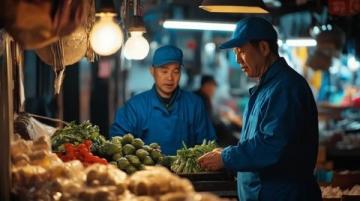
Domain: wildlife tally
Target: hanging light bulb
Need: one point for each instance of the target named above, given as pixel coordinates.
(136, 47)
(106, 36)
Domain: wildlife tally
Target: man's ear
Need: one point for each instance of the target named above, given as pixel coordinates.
(151, 70)
(264, 48)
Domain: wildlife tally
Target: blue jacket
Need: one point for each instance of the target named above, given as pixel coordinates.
(146, 117)
(277, 151)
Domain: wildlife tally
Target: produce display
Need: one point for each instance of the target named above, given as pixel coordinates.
(38, 174)
(130, 154)
(186, 158)
(84, 142)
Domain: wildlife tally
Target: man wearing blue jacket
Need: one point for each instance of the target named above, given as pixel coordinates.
(165, 114)
(277, 151)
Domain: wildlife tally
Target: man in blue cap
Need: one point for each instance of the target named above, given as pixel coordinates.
(276, 155)
(165, 114)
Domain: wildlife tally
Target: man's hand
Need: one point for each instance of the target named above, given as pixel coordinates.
(211, 161)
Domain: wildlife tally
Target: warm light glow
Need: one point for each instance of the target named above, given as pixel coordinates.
(233, 9)
(136, 47)
(106, 36)
(196, 25)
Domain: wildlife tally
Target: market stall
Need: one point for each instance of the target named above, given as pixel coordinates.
(77, 160)
(77, 163)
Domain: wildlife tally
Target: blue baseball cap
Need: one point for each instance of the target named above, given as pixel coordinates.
(250, 28)
(167, 54)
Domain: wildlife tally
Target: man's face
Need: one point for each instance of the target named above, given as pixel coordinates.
(166, 78)
(209, 89)
(251, 59)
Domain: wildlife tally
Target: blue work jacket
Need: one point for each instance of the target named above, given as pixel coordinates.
(277, 151)
(147, 117)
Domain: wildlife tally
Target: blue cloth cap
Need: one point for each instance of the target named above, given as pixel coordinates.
(167, 54)
(250, 28)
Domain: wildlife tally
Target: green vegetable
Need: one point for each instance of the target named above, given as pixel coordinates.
(127, 139)
(117, 156)
(147, 148)
(141, 153)
(160, 160)
(76, 134)
(130, 169)
(110, 148)
(186, 158)
(141, 167)
(148, 161)
(116, 140)
(123, 163)
(128, 149)
(133, 160)
(168, 161)
(137, 143)
(155, 145)
(155, 154)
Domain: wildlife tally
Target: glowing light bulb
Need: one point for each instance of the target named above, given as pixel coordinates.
(106, 37)
(136, 47)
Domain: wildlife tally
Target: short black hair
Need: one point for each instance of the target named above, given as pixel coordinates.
(273, 45)
(207, 79)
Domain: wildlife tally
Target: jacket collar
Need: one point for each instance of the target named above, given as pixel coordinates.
(271, 72)
(158, 103)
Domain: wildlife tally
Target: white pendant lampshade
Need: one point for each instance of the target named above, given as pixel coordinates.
(136, 47)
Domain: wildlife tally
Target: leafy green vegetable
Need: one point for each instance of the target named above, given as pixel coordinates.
(186, 158)
(76, 134)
